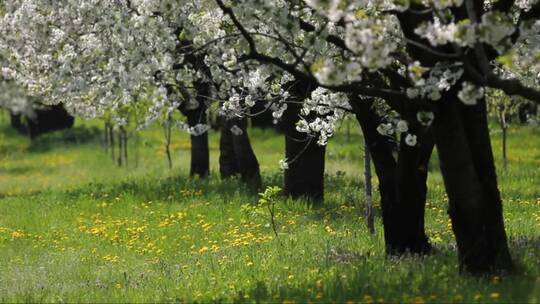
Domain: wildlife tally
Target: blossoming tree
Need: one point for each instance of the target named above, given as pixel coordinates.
(418, 69)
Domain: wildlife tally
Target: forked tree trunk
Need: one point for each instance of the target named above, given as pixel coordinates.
(402, 184)
(236, 153)
(467, 165)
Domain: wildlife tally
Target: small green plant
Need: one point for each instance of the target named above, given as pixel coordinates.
(268, 199)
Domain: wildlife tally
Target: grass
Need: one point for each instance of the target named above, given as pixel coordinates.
(74, 227)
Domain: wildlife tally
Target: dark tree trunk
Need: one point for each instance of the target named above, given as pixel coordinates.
(200, 155)
(262, 117)
(49, 119)
(44, 120)
(306, 159)
(467, 165)
(236, 153)
(402, 183)
(111, 137)
(527, 111)
(17, 124)
(228, 166)
(370, 223)
(412, 189)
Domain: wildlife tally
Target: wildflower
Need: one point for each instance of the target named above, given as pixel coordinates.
(494, 295)
(17, 234)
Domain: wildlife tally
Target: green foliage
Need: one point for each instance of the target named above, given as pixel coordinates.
(267, 199)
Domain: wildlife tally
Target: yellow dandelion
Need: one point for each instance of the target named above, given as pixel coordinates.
(494, 295)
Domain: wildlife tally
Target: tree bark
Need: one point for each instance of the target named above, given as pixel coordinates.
(467, 165)
(228, 166)
(200, 154)
(49, 119)
(402, 183)
(16, 123)
(368, 188)
(237, 155)
(306, 159)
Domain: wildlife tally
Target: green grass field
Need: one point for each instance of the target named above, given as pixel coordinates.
(74, 227)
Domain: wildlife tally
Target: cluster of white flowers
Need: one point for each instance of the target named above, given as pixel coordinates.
(495, 29)
(328, 108)
(398, 126)
(525, 5)
(104, 57)
(15, 99)
(371, 40)
(437, 33)
(438, 79)
(469, 94)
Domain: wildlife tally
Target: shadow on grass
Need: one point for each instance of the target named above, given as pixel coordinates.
(49, 141)
(409, 279)
(67, 137)
(169, 189)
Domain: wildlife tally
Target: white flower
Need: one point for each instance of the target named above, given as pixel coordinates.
(412, 93)
(249, 101)
(437, 33)
(470, 93)
(283, 165)
(198, 129)
(410, 140)
(402, 126)
(385, 129)
(235, 130)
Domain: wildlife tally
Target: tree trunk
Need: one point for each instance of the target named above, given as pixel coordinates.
(17, 124)
(475, 207)
(236, 153)
(306, 159)
(120, 147)
(167, 129)
(402, 183)
(49, 119)
(228, 166)
(368, 189)
(106, 137)
(200, 154)
(111, 136)
(409, 212)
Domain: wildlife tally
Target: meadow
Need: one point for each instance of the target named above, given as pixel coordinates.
(75, 227)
